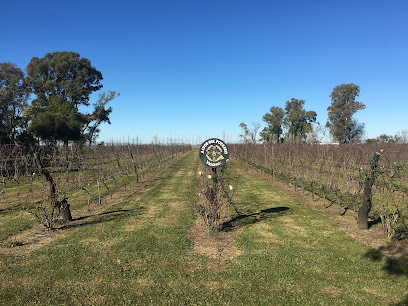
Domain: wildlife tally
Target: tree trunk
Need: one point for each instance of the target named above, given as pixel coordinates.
(62, 206)
(65, 211)
(363, 211)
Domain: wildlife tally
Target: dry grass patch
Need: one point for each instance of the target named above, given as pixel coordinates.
(374, 292)
(219, 245)
(152, 211)
(264, 230)
(113, 241)
(159, 236)
(332, 291)
(211, 285)
(294, 229)
(88, 241)
(133, 225)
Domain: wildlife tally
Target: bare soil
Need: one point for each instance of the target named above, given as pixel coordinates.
(218, 245)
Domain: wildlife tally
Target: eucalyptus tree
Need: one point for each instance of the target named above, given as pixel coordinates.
(343, 127)
(298, 120)
(98, 116)
(63, 82)
(274, 121)
(13, 100)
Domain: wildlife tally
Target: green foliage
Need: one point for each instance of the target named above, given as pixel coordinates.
(244, 132)
(63, 74)
(62, 81)
(298, 120)
(274, 121)
(340, 120)
(60, 120)
(400, 137)
(13, 100)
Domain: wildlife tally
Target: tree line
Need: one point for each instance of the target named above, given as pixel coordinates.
(295, 124)
(62, 83)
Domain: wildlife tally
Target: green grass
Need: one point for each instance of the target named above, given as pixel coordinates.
(138, 253)
(14, 210)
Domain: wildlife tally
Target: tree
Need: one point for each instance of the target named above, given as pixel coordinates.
(340, 121)
(245, 138)
(254, 132)
(63, 74)
(244, 132)
(13, 100)
(274, 121)
(59, 120)
(402, 136)
(298, 120)
(62, 82)
(99, 115)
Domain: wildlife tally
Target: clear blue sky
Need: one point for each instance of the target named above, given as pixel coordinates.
(195, 69)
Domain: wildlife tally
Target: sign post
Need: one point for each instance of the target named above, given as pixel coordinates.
(214, 153)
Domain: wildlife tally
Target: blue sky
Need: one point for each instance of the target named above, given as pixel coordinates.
(196, 69)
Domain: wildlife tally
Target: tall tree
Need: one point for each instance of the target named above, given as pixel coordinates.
(62, 82)
(253, 133)
(63, 74)
(340, 120)
(245, 139)
(298, 120)
(274, 121)
(59, 120)
(13, 100)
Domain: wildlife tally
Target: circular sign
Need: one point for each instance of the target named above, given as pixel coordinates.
(214, 153)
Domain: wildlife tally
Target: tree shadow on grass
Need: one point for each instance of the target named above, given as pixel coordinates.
(390, 265)
(17, 207)
(101, 218)
(251, 218)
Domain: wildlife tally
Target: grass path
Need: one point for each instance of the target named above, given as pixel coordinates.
(289, 255)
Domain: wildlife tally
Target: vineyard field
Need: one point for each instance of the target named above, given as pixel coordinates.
(139, 243)
(338, 172)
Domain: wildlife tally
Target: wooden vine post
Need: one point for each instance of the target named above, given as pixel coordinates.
(134, 165)
(362, 217)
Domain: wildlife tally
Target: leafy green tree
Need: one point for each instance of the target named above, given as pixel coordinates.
(274, 121)
(59, 120)
(340, 121)
(62, 82)
(13, 100)
(298, 120)
(63, 74)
